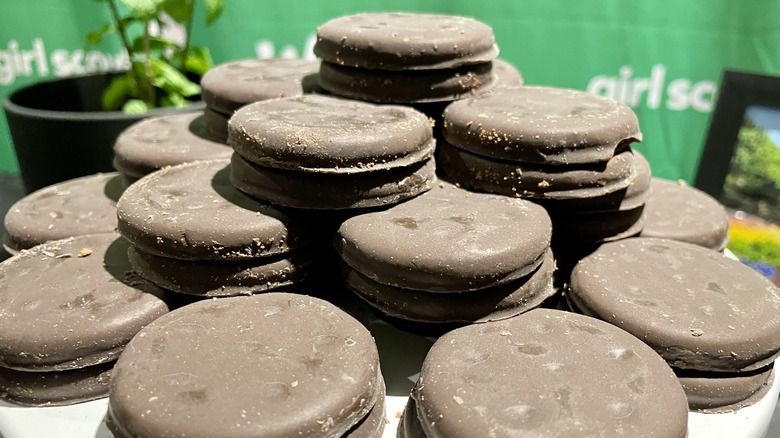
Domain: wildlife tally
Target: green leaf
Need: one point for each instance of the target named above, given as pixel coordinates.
(179, 10)
(118, 91)
(97, 36)
(198, 60)
(171, 80)
(143, 9)
(174, 99)
(135, 106)
(213, 9)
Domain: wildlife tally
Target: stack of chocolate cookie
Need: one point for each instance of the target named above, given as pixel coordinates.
(322, 152)
(713, 319)
(545, 373)
(157, 142)
(68, 308)
(227, 87)
(402, 57)
(192, 232)
(566, 149)
(449, 256)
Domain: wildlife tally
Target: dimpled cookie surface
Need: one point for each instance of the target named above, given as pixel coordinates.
(546, 373)
(247, 367)
(402, 40)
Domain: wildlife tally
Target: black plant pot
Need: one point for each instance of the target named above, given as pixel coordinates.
(59, 131)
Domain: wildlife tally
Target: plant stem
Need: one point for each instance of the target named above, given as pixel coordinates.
(148, 92)
(191, 8)
(120, 27)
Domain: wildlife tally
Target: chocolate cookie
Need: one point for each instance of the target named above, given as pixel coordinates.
(541, 125)
(55, 388)
(224, 277)
(553, 182)
(447, 240)
(308, 190)
(72, 303)
(412, 86)
(580, 377)
(216, 124)
(489, 304)
(679, 212)
(506, 75)
(405, 41)
(250, 369)
(193, 212)
(695, 307)
(229, 86)
(321, 134)
(158, 142)
(725, 392)
(85, 205)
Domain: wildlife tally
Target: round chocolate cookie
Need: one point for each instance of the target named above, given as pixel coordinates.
(321, 134)
(489, 304)
(679, 212)
(541, 125)
(695, 307)
(193, 212)
(506, 75)
(158, 142)
(55, 388)
(580, 377)
(216, 124)
(725, 392)
(79, 206)
(229, 86)
(72, 303)
(220, 278)
(572, 183)
(320, 191)
(447, 240)
(247, 366)
(405, 41)
(411, 86)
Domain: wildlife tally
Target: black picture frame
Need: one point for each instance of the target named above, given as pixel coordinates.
(738, 91)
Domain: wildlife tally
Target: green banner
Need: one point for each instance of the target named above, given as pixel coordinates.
(664, 58)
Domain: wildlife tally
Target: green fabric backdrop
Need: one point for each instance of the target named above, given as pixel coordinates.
(662, 57)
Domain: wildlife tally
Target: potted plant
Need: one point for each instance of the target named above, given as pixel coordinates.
(66, 127)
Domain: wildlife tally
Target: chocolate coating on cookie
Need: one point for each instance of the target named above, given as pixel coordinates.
(447, 240)
(580, 377)
(322, 191)
(158, 142)
(405, 41)
(323, 134)
(680, 212)
(229, 86)
(695, 307)
(725, 392)
(55, 388)
(222, 278)
(72, 303)
(247, 366)
(489, 304)
(193, 212)
(541, 125)
(572, 183)
(415, 86)
(79, 206)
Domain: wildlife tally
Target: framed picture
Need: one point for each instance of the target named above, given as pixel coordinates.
(740, 167)
(740, 163)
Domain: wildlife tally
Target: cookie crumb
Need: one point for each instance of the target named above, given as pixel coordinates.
(85, 252)
(697, 332)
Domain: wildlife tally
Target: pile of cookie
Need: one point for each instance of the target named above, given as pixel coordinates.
(461, 225)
